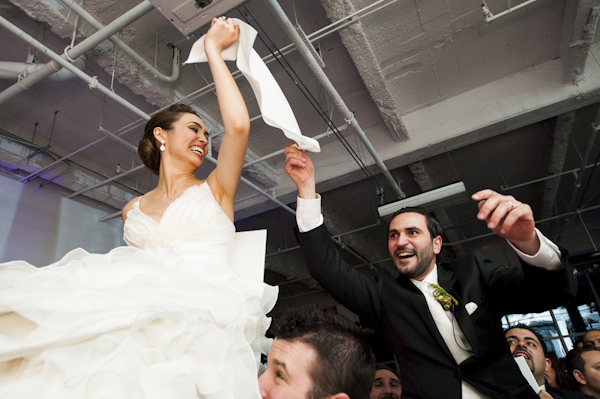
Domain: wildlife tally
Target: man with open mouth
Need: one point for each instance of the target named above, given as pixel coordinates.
(527, 343)
(441, 319)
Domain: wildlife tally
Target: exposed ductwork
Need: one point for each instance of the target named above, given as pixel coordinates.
(20, 70)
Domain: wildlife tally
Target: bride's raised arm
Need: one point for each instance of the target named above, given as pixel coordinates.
(225, 179)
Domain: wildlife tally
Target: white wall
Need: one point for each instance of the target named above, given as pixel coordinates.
(42, 225)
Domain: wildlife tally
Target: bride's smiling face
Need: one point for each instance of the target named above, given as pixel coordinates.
(188, 139)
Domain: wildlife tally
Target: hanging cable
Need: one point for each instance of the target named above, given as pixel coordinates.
(311, 99)
(588, 182)
(52, 128)
(112, 80)
(34, 129)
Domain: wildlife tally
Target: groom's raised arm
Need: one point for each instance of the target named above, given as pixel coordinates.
(323, 260)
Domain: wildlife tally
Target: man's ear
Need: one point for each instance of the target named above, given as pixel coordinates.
(579, 377)
(340, 395)
(548, 365)
(437, 245)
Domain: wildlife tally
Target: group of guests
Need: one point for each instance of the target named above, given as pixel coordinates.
(580, 369)
(319, 354)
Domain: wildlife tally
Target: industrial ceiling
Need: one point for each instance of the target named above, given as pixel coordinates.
(404, 96)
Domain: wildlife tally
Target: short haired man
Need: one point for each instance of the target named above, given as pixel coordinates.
(317, 355)
(592, 338)
(527, 343)
(386, 384)
(442, 320)
(584, 365)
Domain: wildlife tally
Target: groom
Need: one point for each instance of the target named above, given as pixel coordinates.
(456, 353)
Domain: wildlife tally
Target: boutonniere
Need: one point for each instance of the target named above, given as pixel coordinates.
(443, 297)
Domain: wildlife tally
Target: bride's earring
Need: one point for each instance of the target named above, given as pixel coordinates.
(162, 146)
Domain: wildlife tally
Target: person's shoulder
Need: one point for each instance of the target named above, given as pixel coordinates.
(462, 260)
(470, 262)
(129, 207)
(558, 393)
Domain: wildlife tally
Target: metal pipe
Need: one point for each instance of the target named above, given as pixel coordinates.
(567, 172)
(587, 231)
(87, 17)
(560, 338)
(349, 19)
(584, 160)
(104, 182)
(592, 288)
(331, 91)
(88, 44)
(12, 70)
(258, 189)
(279, 152)
(93, 82)
(38, 172)
(489, 17)
(123, 130)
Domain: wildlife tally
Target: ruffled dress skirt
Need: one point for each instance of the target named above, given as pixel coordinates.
(154, 322)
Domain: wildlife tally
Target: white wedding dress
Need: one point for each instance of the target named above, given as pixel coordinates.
(164, 317)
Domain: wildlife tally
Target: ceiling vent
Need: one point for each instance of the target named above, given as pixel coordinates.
(190, 15)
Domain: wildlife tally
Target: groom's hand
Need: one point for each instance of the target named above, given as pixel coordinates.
(508, 218)
(301, 170)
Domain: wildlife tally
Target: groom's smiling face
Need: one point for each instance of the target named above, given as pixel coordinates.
(410, 245)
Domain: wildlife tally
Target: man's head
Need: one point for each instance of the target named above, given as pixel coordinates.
(525, 342)
(317, 355)
(592, 338)
(386, 384)
(414, 240)
(584, 365)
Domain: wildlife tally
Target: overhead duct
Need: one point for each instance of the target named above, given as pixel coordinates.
(15, 70)
(432, 200)
(190, 15)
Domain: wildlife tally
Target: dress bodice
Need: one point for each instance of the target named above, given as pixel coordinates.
(194, 225)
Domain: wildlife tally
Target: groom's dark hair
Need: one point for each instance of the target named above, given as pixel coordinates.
(432, 224)
(345, 362)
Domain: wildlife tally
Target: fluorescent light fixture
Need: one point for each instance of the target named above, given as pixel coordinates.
(430, 200)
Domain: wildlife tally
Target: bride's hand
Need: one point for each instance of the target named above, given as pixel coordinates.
(222, 34)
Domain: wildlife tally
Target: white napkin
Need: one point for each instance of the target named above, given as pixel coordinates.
(275, 109)
(526, 371)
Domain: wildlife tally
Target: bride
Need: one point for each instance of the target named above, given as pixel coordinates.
(165, 316)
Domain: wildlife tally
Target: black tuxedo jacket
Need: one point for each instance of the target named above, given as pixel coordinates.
(399, 310)
(558, 393)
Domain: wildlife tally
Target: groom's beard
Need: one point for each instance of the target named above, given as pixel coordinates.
(424, 258)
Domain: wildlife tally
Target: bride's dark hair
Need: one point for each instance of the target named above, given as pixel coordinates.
(147, 147)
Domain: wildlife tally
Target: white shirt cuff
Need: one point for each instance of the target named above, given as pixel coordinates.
(547, 257)
(308, 214)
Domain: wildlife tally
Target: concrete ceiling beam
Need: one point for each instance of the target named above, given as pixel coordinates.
(560, 144)
(579, 29)
(359, 48)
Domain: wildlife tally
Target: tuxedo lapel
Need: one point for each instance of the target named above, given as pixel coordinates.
(415, 296)
(447, 280)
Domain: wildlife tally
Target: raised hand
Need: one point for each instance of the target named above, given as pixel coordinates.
(508, 218)
(222, 34)
(301, 170)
